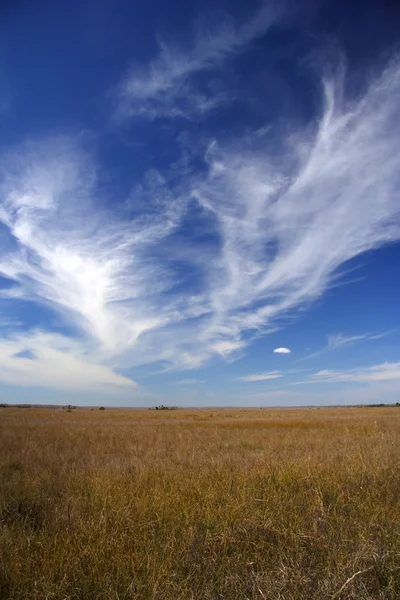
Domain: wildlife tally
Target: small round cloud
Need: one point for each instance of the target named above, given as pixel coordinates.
(282, 351)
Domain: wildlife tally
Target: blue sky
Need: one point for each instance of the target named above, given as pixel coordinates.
(186, 188)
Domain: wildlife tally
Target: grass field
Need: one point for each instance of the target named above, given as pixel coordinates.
(229, 504)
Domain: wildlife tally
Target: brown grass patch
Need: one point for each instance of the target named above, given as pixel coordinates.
(232, 504)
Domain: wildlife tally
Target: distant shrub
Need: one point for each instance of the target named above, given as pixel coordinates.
(102, 408)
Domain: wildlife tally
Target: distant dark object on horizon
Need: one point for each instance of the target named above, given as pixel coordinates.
(382, 405)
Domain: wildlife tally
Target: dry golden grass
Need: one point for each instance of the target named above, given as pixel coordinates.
(230, 504)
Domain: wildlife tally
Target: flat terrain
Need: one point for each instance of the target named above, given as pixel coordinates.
(179, 505)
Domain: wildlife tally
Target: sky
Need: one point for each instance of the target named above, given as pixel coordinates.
(199, 202)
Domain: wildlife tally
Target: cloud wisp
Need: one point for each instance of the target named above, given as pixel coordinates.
(67, 252)
(50, 360)
(383, 372)
(189, 381)
(167, 87)
(261, 377)
(282, 351)
(340, 340)
(279, 226)
(287, 224)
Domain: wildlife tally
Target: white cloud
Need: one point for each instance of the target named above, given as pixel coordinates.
(72, 255)
(287, 223)
(189, 381)
(338, 340)
(50, 360)
(382, 372)
(282, 351)
(261, 376)
(280, 224)
(226, 347)
(166, 86)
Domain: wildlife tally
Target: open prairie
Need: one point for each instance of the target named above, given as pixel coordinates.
(191, 504)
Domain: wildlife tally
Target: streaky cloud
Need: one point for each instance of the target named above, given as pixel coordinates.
(286, 224)
(166, 87)
(279, 228)
(382, 372)
(261, 377)
(43, 359)
(339, 340)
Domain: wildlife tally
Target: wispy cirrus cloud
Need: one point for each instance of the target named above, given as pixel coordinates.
(287, 223)
(282, 351)
(383, 372)
(261, 376)
(68, 252)
(339, 340)
(167, 86)
(189, 381)
(51, 360)
(279, 225)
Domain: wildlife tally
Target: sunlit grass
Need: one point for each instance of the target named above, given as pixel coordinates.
(176, 505)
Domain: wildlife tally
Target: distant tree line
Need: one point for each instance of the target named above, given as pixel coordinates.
(379, 405)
